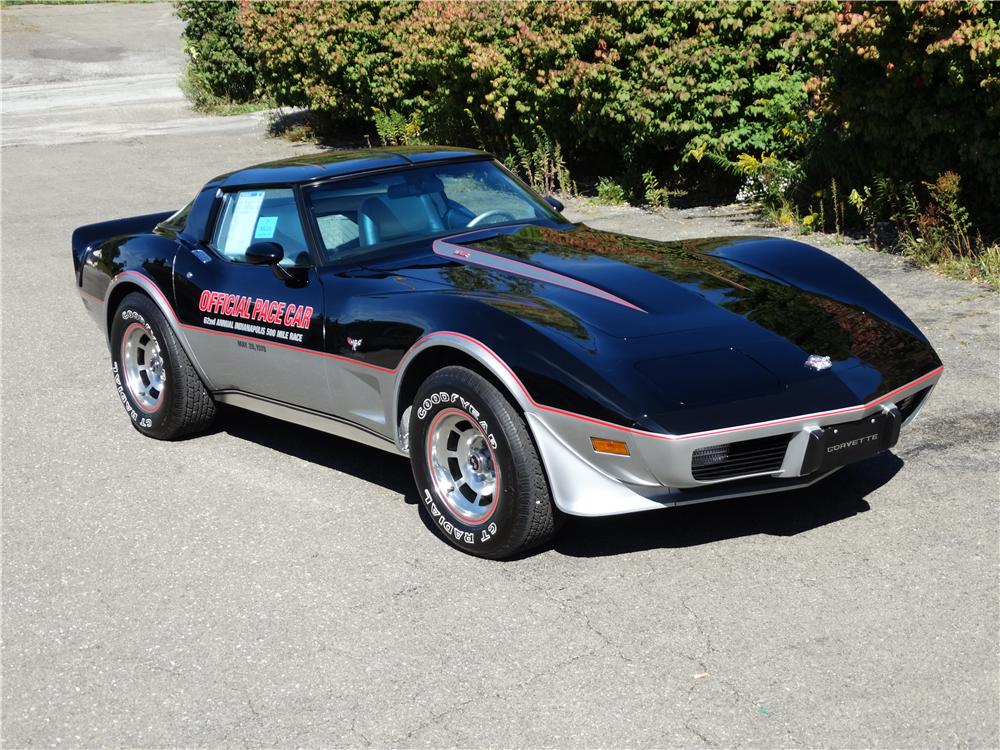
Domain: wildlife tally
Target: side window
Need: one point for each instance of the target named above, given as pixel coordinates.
(250, 216)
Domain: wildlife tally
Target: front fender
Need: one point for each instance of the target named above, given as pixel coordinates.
(537, 363)
(811, 269)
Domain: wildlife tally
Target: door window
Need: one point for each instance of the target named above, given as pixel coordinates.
(250, 216)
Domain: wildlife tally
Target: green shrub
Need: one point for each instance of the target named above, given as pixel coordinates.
(911, 91)
(540, 163)
(334, 57)
(654, 195)
(610, 192)
(831, 91)
(221, 68)
(940, 230)
(627, 86)
(396, 130)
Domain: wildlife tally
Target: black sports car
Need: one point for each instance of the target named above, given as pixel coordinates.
(426, 302)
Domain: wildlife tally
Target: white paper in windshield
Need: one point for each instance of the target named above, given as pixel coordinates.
(243, 222)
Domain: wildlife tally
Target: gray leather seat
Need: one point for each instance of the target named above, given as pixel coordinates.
(383, 218)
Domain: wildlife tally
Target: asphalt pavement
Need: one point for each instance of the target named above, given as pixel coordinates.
(266, 585)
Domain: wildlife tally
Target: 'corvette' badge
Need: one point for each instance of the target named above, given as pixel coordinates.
(355, 344)
(816, 362)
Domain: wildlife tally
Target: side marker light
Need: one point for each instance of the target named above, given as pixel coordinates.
(614, 447)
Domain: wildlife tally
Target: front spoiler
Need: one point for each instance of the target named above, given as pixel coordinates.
(657, 472)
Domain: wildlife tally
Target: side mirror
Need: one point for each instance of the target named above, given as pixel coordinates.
(264, 254)
(555, 203)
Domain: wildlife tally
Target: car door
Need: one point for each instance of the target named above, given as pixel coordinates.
(255, 329)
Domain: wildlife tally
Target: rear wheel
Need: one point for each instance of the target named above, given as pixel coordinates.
(481, 482)
(157, 385)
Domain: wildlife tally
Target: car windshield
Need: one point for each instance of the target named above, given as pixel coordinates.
(367, 214)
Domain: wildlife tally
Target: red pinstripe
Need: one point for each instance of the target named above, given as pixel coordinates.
(520, 385)
(489, 260)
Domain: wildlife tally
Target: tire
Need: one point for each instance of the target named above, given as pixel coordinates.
(157, 385)
(482, 485)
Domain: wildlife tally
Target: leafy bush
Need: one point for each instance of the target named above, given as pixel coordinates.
(541, 164)
(829, 90)
(911, 91)
(767, 179)
(396, 130)
(221, 68)
(334, 57)
(610, 192)
(653, 193)
(929, 225)
(940, 230)
(631, 86)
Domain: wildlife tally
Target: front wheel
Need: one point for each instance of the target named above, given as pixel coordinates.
(481, 483)
(157, 385)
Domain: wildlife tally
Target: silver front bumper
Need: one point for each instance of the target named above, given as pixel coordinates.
(657, 472)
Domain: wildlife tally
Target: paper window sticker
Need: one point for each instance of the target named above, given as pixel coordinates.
(242, 224)
(265, 227)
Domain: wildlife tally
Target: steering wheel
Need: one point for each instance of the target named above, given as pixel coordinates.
(487, 214)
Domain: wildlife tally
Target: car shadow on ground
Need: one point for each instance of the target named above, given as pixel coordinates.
(361, 461)
(781, 514)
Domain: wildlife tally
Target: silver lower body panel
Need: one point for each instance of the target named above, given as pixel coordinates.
(657, 473)
(307, 418)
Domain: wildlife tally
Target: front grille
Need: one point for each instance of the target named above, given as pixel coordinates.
(739, 459)
(909, 404)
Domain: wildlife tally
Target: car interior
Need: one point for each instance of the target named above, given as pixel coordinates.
(355, 216)
(369, 213)
(358, 215)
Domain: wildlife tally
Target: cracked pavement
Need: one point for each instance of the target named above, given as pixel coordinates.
(265, 585)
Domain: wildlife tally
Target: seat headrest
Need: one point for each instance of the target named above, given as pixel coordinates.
(385, 217)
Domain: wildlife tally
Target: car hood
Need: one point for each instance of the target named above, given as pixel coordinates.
(697, 327)
(630, 287)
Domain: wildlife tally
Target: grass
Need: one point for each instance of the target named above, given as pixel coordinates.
(206, 102)
(983, 266)
(226, 108)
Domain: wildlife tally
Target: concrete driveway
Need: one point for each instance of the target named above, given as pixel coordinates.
(267, 585)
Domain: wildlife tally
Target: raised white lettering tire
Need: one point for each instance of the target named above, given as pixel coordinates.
(157, 385)
(481, 484)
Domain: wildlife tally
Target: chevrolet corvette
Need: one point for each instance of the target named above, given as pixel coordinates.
(426, 302)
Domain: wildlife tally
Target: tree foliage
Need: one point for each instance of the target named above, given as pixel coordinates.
(220, 64)
(911, 91)
(841, 90)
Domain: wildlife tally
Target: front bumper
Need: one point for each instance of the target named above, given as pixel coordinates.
(658, 471)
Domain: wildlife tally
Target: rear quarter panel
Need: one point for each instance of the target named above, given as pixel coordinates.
(114, 267)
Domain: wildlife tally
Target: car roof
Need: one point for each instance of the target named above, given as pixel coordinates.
(328, 164)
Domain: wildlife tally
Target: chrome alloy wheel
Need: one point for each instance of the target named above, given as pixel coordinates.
(145, 373)
(463, 466)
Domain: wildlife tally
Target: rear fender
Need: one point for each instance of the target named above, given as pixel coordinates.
(87, 237)
(130, 281)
